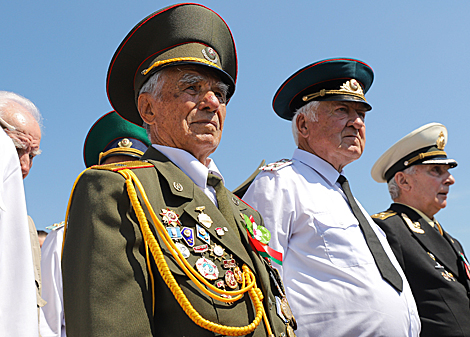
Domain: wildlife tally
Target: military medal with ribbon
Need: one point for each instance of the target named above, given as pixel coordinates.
(259, 237)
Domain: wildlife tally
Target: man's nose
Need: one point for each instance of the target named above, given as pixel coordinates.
(356, 120)
(25, 164)
(209, 102)
(450, 180)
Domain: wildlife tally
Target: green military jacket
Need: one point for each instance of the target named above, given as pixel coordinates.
(108, 290)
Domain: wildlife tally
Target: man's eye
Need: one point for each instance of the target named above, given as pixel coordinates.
(220, 96)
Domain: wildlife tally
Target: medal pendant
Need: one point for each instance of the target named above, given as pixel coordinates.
(230, 264)
(285, 308)
(230, 279)
(220, 231)
(203, 218)
(201, 249)
(207, 269)
(174, 233)
(170, 217)
(217, 251)
(202, 234)
(188, 236)
(183, 250)
(238, 274)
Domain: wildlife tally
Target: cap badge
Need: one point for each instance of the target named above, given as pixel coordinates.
(441, 141)
(125, 143)
(210, 54)
(352, 86)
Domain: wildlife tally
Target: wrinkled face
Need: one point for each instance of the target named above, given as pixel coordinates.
(429, 188)
(189, 112)
(26, 137)
(339, 135)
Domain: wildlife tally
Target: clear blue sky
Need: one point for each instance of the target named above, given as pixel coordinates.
(57, 53)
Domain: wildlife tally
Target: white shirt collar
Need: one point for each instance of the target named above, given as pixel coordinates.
(192, 167)
(325, 169)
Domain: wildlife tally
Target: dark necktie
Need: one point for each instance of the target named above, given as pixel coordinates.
(387, 270)
(222, 200)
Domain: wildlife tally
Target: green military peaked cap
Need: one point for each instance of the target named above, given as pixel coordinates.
(112, 135)
(180, 34)
(337, 79)
(423, 146)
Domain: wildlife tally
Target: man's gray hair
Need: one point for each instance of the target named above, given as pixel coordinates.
(393, 188)
(153, 86)
(6, 97)
(310, 111)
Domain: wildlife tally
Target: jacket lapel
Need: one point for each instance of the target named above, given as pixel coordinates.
(432, 241)
(181, 185)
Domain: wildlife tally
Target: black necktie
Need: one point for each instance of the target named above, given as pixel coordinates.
(222, 200)
(387, 270)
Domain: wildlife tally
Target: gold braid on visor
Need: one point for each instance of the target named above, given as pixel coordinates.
(178, 59)
(424, 155)
(351, 88)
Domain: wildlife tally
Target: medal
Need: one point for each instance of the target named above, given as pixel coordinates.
(220, 284)
(203, 218)
(202, 234)
(238, 274)
(183, 250)
(207, 269)
(285, 308)
(201, 249)
(188, 236)
(174, 233)
(230, 263)
(220, 231)
(217, 251)
(170, 217)
(230, 279)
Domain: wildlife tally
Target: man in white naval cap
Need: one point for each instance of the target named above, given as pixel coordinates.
(416, 169)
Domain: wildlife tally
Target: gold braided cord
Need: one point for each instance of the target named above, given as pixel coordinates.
(324, 92)
(120, 149)
(178, 59)
(187, 268)
(152, 280)
(424, 155)
(254, 292)
(68, 209)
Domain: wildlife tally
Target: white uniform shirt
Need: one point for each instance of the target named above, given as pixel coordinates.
(193, 168)
(52, 322)
(18, 304)
(332, 282)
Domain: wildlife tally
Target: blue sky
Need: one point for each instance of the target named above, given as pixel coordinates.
(57, 53)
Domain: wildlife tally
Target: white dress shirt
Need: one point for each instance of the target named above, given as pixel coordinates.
(18, 304)
(193, 168)
(332, 282)
(52, 322)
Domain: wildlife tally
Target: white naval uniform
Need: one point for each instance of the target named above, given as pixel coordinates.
(52, 322)
(18, 304)
(332, 282)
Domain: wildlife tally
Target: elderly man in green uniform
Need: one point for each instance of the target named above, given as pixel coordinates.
(416, 169)
(159, 247)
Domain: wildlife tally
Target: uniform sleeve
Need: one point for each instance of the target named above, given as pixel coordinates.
(103, 263)
(267, 195)
(52, 319)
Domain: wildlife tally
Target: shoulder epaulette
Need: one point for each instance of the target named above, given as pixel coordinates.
(56, 226)
(383, 215)
(276, 165)
(122, 165)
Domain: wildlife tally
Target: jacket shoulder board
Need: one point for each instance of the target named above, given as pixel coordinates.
(56, 226)
(276, 165)
(383, 215)
(122, 166)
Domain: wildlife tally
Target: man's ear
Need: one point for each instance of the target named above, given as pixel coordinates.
(145, 104)
(403, 181)
(301, 124)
